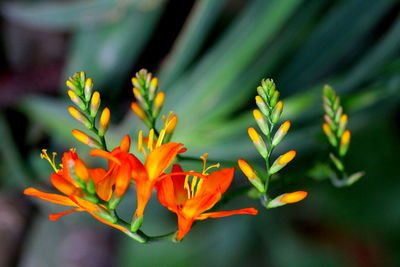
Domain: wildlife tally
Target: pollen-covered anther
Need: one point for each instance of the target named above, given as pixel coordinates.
(45, 156)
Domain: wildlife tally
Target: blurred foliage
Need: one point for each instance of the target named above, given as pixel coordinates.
(210, 73)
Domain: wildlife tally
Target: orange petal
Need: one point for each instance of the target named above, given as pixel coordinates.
(165, 194)
(108, 223)
(97, 174)
(84, 204)
(104, 154)
(104, 188)
(81, 170)
(125, 143)
(143, 193)
(55, 198)
(160, 159)
(63, 185)
(200, 203)
(184, 226)
(56, 216)
(218, 180)
(217, 214)
(122, 179)
(139, 172)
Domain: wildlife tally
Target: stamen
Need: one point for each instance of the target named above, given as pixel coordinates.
(186, 186)
(160, 138)
(212, 166)
(193, 185)
(140, 141)
(45, 156)
(150, 141)
(205, 168)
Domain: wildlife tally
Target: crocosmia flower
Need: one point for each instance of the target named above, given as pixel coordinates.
(190, 198)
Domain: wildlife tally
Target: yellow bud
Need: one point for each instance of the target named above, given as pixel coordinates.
(287, 157)
(88, 89)
(104, 121)
(159, 101)
(125, 143)
(84, 138)
(327, 130)
(79, 116)
(343, 119)
(294, 197)
(257, 115)
(76, 99)
(94, 104)
(285, 126)
(282, 131)
(345, 140)
(154, 82)
(246, 169)
(254, 136)
(138, 111)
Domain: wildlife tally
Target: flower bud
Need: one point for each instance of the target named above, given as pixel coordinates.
(258, 117)
(251, 175)
(338, 164)
(104, 121)
(88, 89)
(262, 106)
(277, 112)
(287, 198)
(342, 124)
(158, 104)
(79, 116)
(138, 111)
(258, 142)
(172, 124)
(81, 170)
(86, 139)
(281, 161)
(329, 134)
(282, 131)
(76, 99)
(344, 143)
(262, 93)
(72, 85)
(153, 88)
(94, 104)
(274, 99)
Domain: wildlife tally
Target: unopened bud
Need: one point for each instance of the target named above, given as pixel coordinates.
(274, 99)
(338, 164)
(81, 170)
(281, 161)
(153, 88)
(262, 93)
(251, 175)
(79, 116)
(258, 117)
(329, 134)
(282, 131)
(86, 139)
(94, 104)
(88, 89)
(76, 99)
(344, 143)
(262, 106)
(158, 104)
(104, 121)
(258, 142)
(287, 198)
(342, 124)
(172, 124)
(277, 112)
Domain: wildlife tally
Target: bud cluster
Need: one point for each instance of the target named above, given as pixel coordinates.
(338, 136)
(87, 104)
(267, 115)
(149, 102)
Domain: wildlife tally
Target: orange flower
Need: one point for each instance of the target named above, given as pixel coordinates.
(189, 200)
(70, 180)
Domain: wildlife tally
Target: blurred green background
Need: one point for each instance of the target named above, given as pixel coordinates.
(209, 55)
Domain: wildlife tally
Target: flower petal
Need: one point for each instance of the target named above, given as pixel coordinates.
(63, 185)
(55, 198)
(160, 158)
(217, 214)
(184, 226)
(218, 180)
(56, 216)
(104, 154)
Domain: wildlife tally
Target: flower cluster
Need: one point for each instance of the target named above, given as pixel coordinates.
(267, 116)
(99, 191)
(338, 136)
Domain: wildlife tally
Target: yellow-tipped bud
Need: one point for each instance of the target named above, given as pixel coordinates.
(94, 104)
(138, 111)
(281, 161)
(251, 175)
(344, 143)
(261, 105)
(287, 198)
(86, 139)
(153, 88)
(135, 82)
(72, 86)
(282, 131)
(79, 116)
(258, 117)
(277, 112)
(329, 134)
(247, 169)
(81, 170)
(104, 121)
(76, 99)
(258, 142)
(342, 124)
(158, 104)
(88, 89)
